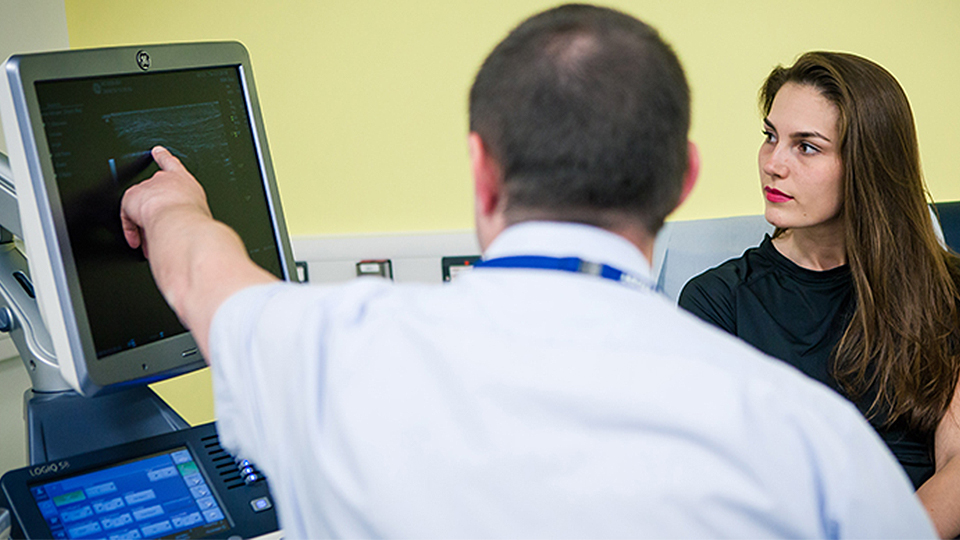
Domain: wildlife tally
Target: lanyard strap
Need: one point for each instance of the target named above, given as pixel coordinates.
(567, 264)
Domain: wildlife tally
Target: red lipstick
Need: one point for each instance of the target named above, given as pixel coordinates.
(776, 196)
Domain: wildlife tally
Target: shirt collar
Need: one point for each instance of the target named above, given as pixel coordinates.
(562, 239)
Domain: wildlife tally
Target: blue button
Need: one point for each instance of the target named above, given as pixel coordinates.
(251, 478)
(247, 471)
(261, 504)
(193, 480)
(214, 514)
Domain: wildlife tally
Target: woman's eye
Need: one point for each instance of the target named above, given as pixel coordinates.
(769, 136)
(807, 148)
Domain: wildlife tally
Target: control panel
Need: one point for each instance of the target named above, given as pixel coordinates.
(181, 484)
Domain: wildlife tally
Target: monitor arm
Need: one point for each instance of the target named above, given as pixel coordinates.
(19, 312)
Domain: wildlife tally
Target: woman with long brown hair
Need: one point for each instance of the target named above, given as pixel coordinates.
(853, 288)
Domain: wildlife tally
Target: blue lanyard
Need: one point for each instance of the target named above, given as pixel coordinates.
(567, 264)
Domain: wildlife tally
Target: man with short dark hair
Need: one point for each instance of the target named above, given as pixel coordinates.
(550, 392)
(586, 112)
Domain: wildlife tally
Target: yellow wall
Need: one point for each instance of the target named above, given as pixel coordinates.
(365, 101)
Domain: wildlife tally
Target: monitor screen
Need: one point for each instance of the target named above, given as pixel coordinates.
(100, 131)
(162, 495)
(84, 123)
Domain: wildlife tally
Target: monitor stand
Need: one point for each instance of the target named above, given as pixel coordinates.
(59, 421)
(63, 424)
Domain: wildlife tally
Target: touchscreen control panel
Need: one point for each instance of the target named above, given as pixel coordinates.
(177, 485)
(148, 497)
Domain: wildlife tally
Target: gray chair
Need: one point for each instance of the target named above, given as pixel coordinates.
(684, 249)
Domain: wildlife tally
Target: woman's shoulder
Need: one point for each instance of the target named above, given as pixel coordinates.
(711, 295)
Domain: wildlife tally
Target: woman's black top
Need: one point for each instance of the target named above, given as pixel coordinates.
(798, 316)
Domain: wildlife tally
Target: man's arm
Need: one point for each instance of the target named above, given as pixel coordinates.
(197, 262)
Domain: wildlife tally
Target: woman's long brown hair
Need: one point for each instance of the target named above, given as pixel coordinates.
(902, 338)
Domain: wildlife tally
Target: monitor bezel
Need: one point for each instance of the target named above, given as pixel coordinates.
(51, 261)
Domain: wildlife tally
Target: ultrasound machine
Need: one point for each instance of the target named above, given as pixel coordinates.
(108, 458)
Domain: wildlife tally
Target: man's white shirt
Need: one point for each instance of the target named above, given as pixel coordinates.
(537, 403)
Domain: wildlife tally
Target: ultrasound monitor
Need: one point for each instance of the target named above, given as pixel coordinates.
(79, 127)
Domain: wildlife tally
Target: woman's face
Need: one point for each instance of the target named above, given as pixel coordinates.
(800, 167)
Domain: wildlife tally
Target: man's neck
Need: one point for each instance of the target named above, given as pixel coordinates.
(628, 228)
(638, 236)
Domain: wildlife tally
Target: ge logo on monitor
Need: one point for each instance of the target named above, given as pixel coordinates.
(143, 60)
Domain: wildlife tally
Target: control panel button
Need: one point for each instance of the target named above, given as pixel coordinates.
(261, 504)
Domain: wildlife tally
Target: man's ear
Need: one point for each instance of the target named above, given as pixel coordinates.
(693, 171)
(487, 181)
